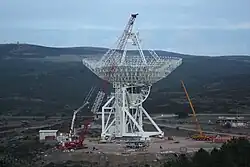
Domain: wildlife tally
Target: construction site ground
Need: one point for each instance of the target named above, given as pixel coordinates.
(13, 131)
(117, 153)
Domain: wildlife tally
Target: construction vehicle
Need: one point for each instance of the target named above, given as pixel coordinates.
(72, 141)
(76, 141)
(200, 136)
(86, 102)
(71, 131)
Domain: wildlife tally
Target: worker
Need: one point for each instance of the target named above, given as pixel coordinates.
(161, 147)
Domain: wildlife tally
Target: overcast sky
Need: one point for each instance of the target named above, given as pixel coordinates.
(202, 27)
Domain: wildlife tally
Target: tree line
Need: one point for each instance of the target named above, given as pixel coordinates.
(234, 153)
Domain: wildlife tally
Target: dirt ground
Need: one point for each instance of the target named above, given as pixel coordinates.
(117, 154)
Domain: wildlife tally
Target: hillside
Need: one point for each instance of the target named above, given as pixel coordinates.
(32, 83)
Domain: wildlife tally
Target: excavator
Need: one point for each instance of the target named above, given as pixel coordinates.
(200, 136)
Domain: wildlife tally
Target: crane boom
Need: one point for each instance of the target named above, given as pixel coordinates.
(97, 102)
(121, 43)
(86, 101)
(113, 55)
(89, 95)
(74, 117)
(193, 110)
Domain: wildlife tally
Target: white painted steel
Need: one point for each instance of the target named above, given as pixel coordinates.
(132, 76)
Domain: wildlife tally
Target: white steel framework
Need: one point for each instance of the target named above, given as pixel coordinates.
(97, 103)
(132, 73)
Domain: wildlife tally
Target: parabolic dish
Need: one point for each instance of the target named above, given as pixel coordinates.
(134, 71)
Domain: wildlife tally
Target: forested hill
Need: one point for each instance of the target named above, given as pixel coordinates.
(37, 79)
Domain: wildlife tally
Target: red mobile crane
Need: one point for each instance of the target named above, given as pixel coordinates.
(77, 142)
(73, 141)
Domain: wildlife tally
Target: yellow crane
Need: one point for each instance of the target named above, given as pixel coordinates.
(200, 135)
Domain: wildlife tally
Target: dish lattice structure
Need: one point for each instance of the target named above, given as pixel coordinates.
(132, 73)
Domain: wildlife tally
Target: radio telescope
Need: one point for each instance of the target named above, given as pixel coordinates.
(132, 76)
